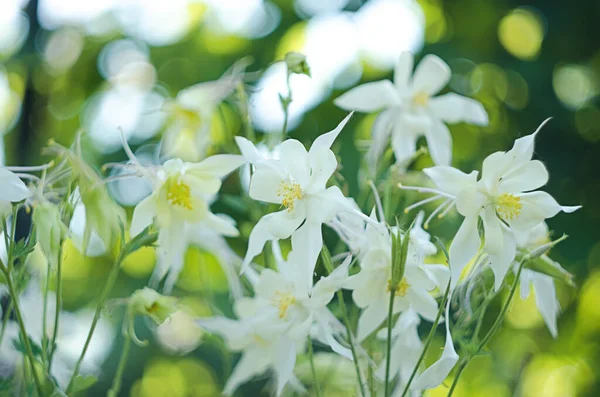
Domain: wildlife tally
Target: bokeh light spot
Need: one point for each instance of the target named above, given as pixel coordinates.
(521, 33)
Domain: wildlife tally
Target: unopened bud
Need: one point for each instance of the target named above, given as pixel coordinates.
(296, 63)
(147, 302)
(49, 230)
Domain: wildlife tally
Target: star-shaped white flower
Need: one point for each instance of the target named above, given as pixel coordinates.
(411, 110)
(504, 198)
(179, 200)
(371, 285)
(298, 182)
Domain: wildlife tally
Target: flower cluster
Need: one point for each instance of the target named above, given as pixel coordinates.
(388, 276)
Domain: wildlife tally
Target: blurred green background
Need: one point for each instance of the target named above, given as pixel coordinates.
(103, 65)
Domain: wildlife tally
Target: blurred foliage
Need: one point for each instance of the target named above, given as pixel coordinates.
(524, 63)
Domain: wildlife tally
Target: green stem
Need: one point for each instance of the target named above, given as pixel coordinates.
(28, 349)
(58, 304)
(428, 340)
(312, 368)
(389, 342)
(326, 257)
(483, 310)
(110, 282)
(11, 259)
(494, 327)
(44, 318)
(286, 105)
(116, 386)
(461, 368)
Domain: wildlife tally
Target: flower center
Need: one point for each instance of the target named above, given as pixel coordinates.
(508, 206)
(179, 194)
(289, 193)
(402, 287)
(421, 98)
(283, 301)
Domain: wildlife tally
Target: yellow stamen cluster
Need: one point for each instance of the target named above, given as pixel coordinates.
(421, 98)
(179, 194)
(402, 287)
(289, 193)
(508, 206)
(283, 301)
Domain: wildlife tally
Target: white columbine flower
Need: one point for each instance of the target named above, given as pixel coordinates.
(411, 110)
(13, 190)
(179, 200)
(542, 284)
(275, 324)
(371, 285)
(298, 182)
(504, 199)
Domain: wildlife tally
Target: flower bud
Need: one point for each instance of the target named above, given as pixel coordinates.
(147, 302)
(103, 215)
(49, 230)
(296, 63)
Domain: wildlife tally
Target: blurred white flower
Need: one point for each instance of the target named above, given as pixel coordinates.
(179, 334)
(411, 110)
(13, 190)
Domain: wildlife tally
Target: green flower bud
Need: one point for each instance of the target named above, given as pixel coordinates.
(147, 302)
(49, 230)
(103, 215)
(296, 63)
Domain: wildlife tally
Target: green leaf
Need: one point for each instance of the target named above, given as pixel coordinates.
(146, 238)
(19, 344)
(82, 383)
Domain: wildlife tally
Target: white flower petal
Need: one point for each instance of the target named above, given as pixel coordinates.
(431, 75)
(143, 215)
(324, 289)
(269, 283)
(522, 150)
(493, 237)
(500, 263)
(536, 207)
(546, 300)
(283, 363)
(327, 139)
(265, 183)
(172, 246)
(380, 135)
(529, 176)
(403, 70)
(371, 318)
(493, 168)
(274, 226)
(439, 142)
(463, 248)
(439, 273)
(449, 179)
(322, 207)
(222, 224)
(253, 362)
(218, 165)
(294, 158)
(248, 150)
(308, 240)
(369, 97)
(438, 371)
(404, 141)
(322, 165)
(453, 108)
(13, 188)
(423, 303)
(325, 334)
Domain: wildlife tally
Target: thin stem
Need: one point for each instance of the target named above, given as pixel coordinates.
(494, 327)
(326, 257)
(110, 282)
(428, 340)
(483, 310)
(312, 367)
(45, 318)
(28, 349)
(116, 386)
(58, 294)
(461, 368)
(11, 248)
(389, 341)
(286, 104)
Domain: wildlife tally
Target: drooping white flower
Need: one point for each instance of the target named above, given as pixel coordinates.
(193, 111)
(13, 190)
(411, 110)
(504, 198)
(179, 200)
(298, 182)
(371, 285)
(542, 284)
(277, 321)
